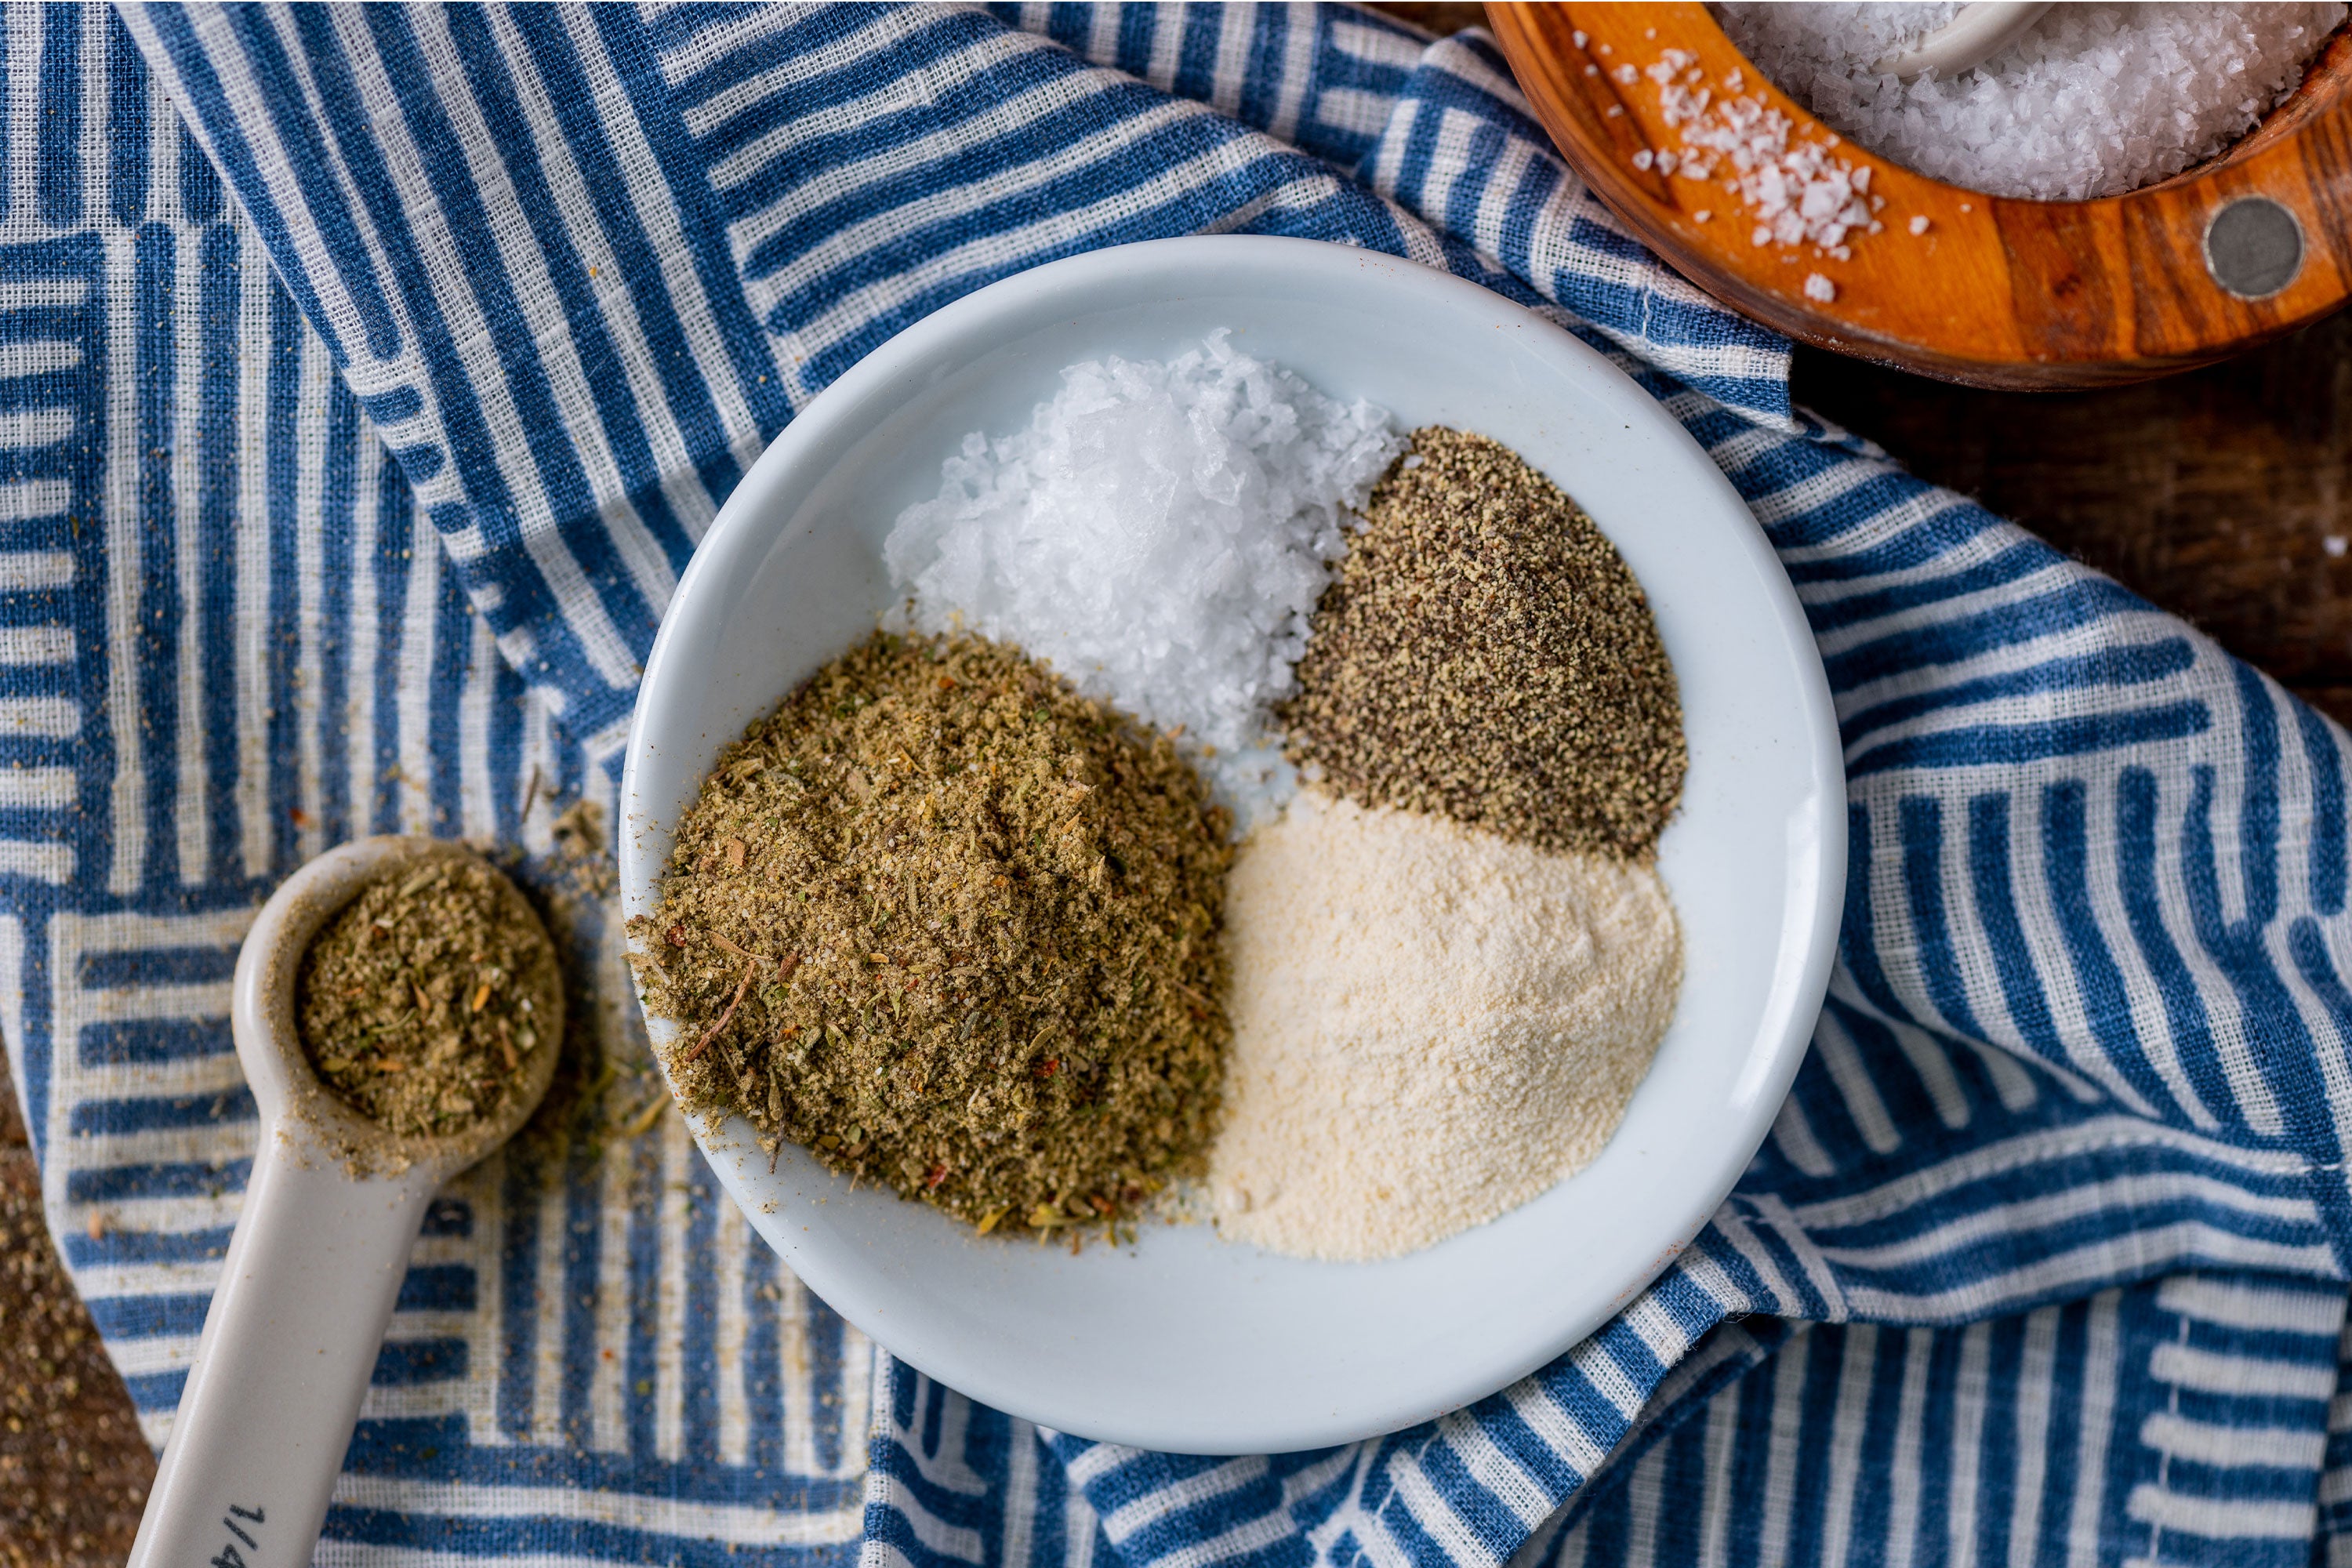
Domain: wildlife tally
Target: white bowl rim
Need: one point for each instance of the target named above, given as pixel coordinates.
(742, 532)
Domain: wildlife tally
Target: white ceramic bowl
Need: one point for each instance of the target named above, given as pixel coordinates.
(1186, 1342)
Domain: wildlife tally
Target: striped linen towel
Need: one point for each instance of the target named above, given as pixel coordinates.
(366, 376)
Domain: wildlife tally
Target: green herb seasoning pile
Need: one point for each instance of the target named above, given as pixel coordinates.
(956, 929)
(1484, 653)
(415, 1002)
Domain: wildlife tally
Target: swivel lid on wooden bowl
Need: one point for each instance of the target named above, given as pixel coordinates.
(1992, 290)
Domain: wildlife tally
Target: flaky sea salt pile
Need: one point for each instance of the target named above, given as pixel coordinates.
(2095, 101)
(1160, 533)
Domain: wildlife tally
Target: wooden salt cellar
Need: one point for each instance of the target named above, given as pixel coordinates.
(1996, 292)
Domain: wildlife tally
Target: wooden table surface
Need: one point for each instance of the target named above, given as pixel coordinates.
(2224, 496)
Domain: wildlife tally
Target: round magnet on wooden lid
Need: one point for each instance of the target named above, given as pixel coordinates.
(2254, 248)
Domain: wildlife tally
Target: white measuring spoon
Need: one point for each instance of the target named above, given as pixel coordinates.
(329, 1215)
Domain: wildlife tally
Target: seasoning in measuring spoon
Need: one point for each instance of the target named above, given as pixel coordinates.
(1484, 653)
(956, 929)
(415, 1001)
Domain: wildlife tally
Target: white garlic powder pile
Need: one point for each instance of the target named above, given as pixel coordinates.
(1431, 1025)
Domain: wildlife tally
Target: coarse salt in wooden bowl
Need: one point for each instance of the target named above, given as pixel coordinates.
(1992, 290)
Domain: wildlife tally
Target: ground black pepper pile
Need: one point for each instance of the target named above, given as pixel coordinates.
(415, 1002)
(1483, 652)
(955, 928)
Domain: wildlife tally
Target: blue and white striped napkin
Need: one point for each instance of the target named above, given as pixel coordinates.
(366, 376)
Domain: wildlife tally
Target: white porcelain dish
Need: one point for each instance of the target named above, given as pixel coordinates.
(1185, 1343)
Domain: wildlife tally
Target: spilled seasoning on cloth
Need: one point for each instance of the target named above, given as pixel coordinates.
(1431, 1025)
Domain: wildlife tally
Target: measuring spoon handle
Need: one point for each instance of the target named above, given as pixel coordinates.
(311, 1275)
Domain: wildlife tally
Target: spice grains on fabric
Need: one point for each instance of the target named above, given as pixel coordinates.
(415, 1002)
(1483, 652)
(957, 929)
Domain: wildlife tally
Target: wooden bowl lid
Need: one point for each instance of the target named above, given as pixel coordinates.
(1996, 292)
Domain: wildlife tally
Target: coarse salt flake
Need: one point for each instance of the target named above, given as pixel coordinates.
(1919, 224)
(1796, 191)
(1819, 288)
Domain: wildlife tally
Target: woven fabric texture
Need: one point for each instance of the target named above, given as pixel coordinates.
(366, 377)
